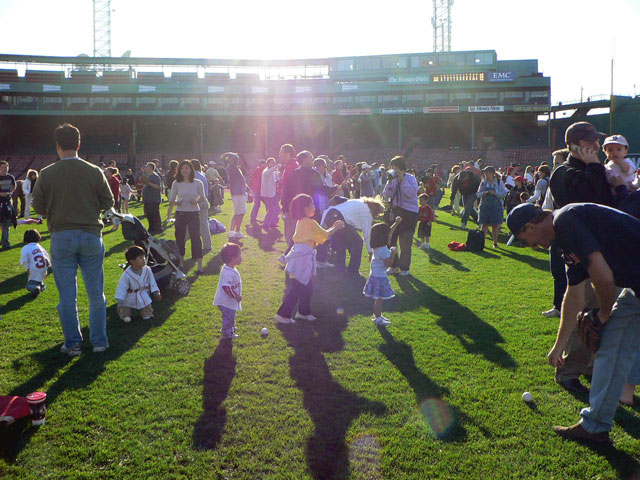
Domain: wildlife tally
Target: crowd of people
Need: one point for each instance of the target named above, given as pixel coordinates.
(578, 208)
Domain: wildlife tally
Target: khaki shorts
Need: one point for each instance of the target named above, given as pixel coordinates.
(239, 204)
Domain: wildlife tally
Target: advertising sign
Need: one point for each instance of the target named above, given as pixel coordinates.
(408, 79)
(5, 86)
(146, 88)
(501, 76)
(215, 89)
(531, 108)
(99, 88)
(303, 89)
(354, 111)
(51, 88)
(450, 109)
(398, 111)
(486, 108)
(348, 88)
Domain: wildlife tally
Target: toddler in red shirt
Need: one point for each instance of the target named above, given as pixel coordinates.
(425, 217)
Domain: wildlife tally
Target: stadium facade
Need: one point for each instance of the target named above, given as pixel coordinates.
(137, 106)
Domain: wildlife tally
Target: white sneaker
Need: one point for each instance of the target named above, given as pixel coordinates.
(283, 320)
(148, 318)
(393, 270)
(232, 234)
(126, 319)
(240, 235)
(381, 321)
(308, 318)
(100, 349)
(404, 273)
(463, 225)
(427, 246)
(324, 265)
(554, 312)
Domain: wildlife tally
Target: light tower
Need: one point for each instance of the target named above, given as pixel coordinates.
(101, 28)
(441, 22)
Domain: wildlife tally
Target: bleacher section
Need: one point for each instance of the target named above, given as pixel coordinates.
(419, 157)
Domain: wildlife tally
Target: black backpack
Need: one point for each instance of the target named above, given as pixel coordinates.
(475, 241)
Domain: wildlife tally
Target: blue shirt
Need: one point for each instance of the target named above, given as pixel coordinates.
(200, 176)
(378, 268)
(584, 228)
(152, 195)
(407, 197)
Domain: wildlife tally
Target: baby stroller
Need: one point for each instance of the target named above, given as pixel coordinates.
(163, 256)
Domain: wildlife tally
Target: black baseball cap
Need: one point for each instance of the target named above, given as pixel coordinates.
(582, 131)
(521, 215)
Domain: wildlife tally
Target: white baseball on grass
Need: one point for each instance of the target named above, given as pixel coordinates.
(264, 331)
(527, 397)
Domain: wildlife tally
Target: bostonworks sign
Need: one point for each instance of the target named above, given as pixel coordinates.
(501, 76)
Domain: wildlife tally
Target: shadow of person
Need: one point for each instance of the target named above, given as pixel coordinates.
(219, 371)
(534, 262)
(86, 369)
(437, 257)
(14, 283)
(267, 239)
(473, 333)
(119, 247)
(443, 419)
(626, 465)
(331, 407)
(16, 303)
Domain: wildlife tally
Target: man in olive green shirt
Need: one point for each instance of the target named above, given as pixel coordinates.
(71, 194)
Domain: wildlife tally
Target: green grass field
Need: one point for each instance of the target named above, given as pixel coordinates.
(436, 395)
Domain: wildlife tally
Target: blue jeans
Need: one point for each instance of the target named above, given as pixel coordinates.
(70, 249)
(273, 211)
(468, 201)
(6, 225)
(619, 343)
(33, 284)
(228, 320)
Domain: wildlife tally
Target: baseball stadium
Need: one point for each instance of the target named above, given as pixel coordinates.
(316, 268)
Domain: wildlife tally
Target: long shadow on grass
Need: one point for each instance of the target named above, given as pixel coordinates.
(219, 371)
(626, 465)
(85, 369)
(437, 257)
(443, 419)
(14, 283)
(332, 408)
(538, 263)
(473, 333)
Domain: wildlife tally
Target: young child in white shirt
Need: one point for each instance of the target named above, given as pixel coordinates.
(36, 260)
(126, 190)
(229, 293)
(135, 286)
(616, 148)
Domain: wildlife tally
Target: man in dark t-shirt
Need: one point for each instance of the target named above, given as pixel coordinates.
(598, 244)
(7, 186)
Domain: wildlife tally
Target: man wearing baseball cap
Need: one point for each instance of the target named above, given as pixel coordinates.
(581, 178)
(598, 244)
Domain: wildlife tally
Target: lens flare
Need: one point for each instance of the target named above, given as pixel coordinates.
(437, 415)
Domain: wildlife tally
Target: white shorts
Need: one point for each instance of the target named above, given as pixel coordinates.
(239, 204)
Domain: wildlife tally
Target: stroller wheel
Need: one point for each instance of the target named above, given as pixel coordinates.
(183, 287)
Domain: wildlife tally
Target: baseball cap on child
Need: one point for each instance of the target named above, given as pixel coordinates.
(619, 139)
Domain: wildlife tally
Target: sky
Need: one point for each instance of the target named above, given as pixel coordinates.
(573, 40)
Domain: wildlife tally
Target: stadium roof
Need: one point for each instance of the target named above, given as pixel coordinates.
(85, 60)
